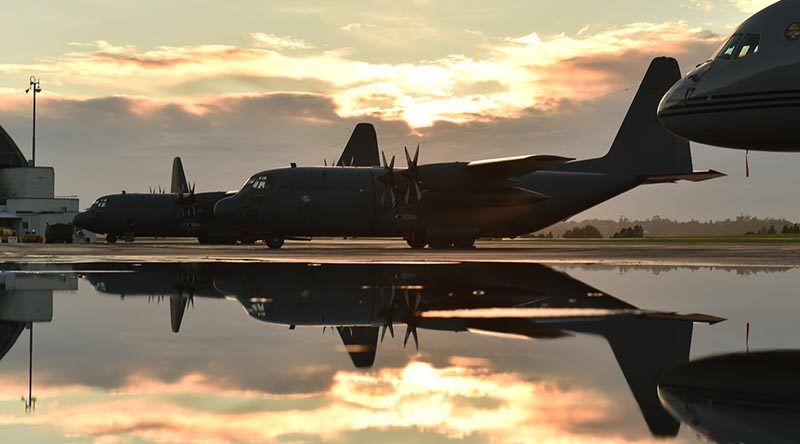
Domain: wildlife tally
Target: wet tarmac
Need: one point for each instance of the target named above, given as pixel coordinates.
(364, 341)
(623, 253)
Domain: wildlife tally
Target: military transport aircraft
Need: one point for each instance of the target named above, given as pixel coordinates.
(747, 94)
(363, 302)
(449, 205)
(184, 213)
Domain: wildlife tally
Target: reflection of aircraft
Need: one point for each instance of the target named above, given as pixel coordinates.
(748, 94)
(364, 302)
(448, 205)
(738, 398)
(184, 213)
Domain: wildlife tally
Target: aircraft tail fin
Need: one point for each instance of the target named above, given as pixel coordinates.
(642, 145)
(362, 148)
(179, 183)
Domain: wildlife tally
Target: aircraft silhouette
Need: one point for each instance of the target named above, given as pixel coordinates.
(450, 205)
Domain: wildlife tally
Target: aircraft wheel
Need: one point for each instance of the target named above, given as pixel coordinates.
(274, 242)
(440, 244)
(247, 241)
(111, 238)
(464, 244)
(416, 241)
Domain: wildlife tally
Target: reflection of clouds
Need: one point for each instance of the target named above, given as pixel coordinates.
(533, 71)
(452, 401)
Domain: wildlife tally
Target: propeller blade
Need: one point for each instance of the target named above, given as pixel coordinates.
(325, 161)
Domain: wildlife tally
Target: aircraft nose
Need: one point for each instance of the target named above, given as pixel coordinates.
(80, 220)
(229, 208)
(671, 110)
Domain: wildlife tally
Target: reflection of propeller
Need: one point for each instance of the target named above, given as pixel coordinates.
(411, 321)
(387, 313)
(412, 174)
(388, 180)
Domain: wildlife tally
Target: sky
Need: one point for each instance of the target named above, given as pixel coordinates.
(239, 87)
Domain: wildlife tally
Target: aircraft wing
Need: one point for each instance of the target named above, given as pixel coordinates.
(515, 166)
(696, 176)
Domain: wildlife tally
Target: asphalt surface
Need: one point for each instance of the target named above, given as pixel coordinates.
(673, 254)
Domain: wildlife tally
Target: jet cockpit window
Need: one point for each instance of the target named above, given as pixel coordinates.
(748, 46)
(100, 203)
(261, 183)
(730, 47)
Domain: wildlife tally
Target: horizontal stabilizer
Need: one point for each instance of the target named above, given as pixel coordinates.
(696, 176)
(694, 317)
(515, 166)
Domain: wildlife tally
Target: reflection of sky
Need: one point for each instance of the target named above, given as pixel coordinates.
(111, 370)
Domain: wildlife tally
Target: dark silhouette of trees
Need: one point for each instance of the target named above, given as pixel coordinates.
(629, 232)
(586, 232)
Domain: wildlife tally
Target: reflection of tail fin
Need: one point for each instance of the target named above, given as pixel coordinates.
(362, 148)
(361, 343)
(645, 349)
(642, 145)
(177, 307)
(9, 333)
(179, 183)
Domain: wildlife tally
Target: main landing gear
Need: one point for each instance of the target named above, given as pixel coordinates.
(417, 242)
(111, 238)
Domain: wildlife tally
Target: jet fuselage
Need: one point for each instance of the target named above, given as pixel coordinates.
(747, 96)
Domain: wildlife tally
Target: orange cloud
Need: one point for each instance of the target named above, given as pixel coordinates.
(454, 402)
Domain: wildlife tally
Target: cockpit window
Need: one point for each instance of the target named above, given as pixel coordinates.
(748, 46)
(100, 203)
(260, 183)
(730, 47)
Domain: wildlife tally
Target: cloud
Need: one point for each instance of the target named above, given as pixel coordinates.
(263, 40)
(452, 401)
(751, 5)
(530, 71)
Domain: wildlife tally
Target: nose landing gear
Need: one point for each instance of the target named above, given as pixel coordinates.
(274, 242)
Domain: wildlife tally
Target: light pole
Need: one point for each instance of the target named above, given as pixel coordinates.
(34, 86)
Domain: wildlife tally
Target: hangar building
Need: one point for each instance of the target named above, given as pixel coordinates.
(28, 202)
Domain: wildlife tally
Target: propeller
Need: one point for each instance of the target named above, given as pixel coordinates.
(412, 174)
(388, 180)
(187, 204)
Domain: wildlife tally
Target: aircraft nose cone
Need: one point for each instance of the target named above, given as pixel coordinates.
(80, 220)
(229, 208)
